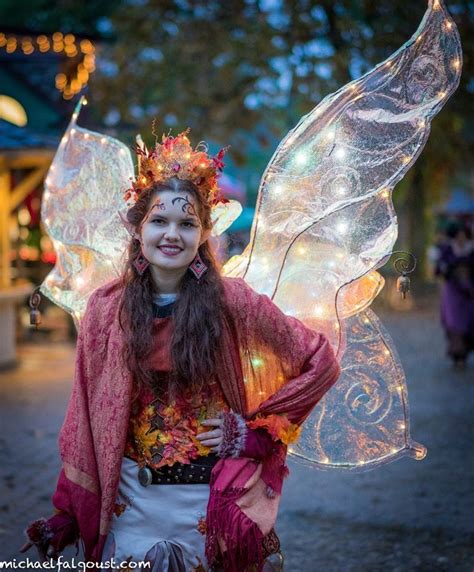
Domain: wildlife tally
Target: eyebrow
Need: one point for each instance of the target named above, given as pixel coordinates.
(187, 218)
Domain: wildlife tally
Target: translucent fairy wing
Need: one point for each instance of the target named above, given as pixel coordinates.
(223, 215)
(80, 212)
(364, 421)
(325, 221)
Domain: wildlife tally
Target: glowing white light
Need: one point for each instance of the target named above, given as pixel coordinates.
(64, 139)
(301, 250)
(340, 153)
(278, 189)
(301, 158)
(47, 221)
(79, 281)
(341, 190)
(103, 140)
(319, 310)
(73, 131)
(46, 195)
(86, 135)
(47, 181)
(342, 227)
(329, 133)
(122, 151)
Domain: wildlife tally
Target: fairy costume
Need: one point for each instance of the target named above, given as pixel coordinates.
(324, 223)
(244, 491)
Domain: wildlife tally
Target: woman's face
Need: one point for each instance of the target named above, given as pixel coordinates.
(171, 231)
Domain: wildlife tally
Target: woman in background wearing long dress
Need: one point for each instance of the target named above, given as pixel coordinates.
(456, 265)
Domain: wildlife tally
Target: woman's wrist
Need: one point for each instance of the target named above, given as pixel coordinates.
(239, 440)
(234, 434)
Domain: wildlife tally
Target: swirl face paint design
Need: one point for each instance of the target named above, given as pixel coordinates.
(187, 207)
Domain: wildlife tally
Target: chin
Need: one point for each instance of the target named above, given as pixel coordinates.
(179, 266)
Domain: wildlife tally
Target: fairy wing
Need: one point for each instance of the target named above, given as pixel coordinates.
(81, 202)
(325, 222)
(83, 212)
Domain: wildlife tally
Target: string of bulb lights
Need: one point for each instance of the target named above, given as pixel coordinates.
(58, 43)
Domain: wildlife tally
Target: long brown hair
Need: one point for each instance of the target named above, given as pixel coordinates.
(198, 312)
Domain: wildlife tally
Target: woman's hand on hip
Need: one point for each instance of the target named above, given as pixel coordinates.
(212, 438)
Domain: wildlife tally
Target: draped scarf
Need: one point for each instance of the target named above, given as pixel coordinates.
(272, 371)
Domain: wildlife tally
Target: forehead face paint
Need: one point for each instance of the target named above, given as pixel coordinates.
(157, 205)
(187, 207)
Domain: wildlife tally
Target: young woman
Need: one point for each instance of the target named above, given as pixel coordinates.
(188, 388)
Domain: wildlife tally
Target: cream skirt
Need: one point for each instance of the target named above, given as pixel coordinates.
(160, 524)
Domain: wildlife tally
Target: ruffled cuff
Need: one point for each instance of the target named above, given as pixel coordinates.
(240, 440)
(234, 431)
(278, 426)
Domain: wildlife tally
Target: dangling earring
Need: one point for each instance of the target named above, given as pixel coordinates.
(140, 263)
(197, 266)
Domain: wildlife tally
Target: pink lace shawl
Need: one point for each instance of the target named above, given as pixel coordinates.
(274, 371)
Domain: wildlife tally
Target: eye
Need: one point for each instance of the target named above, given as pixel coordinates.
(189, 224)
(159, 220)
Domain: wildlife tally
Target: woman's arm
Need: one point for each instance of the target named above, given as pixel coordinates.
(309, 363)
(311, 369)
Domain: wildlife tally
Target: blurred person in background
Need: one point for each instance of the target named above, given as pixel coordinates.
(456, 266)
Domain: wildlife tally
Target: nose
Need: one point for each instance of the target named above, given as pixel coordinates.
(171, 233)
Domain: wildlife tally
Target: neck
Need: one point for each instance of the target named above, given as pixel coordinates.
(166, 282)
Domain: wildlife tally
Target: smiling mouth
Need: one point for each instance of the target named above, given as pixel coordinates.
(170, 249)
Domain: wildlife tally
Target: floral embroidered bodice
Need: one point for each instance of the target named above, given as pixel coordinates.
(162, 431)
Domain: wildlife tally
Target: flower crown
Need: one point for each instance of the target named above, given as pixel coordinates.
(175, 157)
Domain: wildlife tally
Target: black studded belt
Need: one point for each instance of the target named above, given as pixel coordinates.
(197, 472)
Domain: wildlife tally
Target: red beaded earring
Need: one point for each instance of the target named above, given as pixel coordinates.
(197, 266)
(140, 263)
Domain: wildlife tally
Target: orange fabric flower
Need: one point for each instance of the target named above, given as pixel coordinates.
(278, 426)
